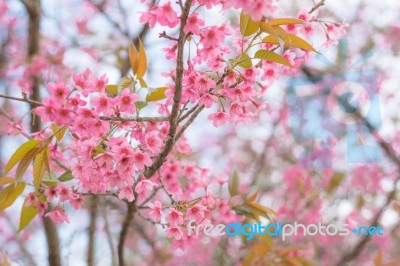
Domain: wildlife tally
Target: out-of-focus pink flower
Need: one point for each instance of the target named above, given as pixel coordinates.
(58, 215)
(126, 193)
(144, 186)
(156, 211)
(174, 232)
(219, 118)
(174, 218)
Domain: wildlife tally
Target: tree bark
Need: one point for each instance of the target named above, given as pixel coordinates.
(92, 231)
(33, 7)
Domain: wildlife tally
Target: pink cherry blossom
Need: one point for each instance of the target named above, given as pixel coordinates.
(126, 193)
(58, 215)
(174, 218)
(156, 212)
(51, 193)
(144, 186)
(193, 24)
(174, 232)
(126, 101)
(219, 118)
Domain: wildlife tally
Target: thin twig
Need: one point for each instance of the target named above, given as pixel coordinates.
(165, 188)
(318, 5)
(27, 100)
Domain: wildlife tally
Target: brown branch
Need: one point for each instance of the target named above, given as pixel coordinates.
(92, 230)
(108, 231)
(130, 213)
(33, 7)
(27, 100)
(318, 5)
(53, 242)
(355, 252)
(173, 123)
(171, 132)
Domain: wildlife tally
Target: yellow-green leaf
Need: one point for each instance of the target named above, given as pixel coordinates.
(50, 179)
(247, 25)
(140, 105)
(27, 215)
(276, 31)
(243, 60)
(125, 82)
(291, 41)
(142, 63)
(58, 131)
(20, 153)
(24, 163)
(39, 166)
(6, 180)
(156, 95)
(9, 194)
(253, 197)
(259, 209)
(133, 57)
(271, 56)
(285, 21)
(66, 176)
(143, 83)
(334, 182)
(112, 90)
(233, 185)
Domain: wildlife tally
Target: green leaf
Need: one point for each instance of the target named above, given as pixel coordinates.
(20, 153)
(58, 131)
(9, 194)
(24, 163)
(66, 176)
(247, 25)
(156, 95)
(112, 90)
(291, 41)
(39, 166)
(27, 215)
(140, 105)
(243, 60)
(142, 63)
(271, 56)
(233, 185)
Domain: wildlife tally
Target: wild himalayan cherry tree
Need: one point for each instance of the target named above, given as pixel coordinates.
(96, 143)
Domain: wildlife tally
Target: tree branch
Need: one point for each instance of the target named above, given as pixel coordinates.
(318, 5)
(92, 230)
(173, 123)
(27, 100)
(33, 7)
(124, 231)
